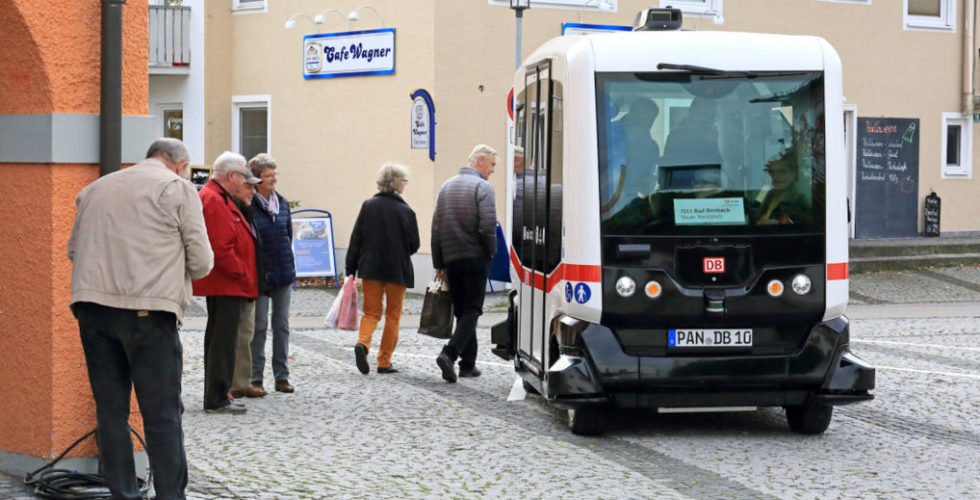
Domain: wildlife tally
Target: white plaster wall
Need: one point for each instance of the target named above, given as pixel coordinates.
(186, 89)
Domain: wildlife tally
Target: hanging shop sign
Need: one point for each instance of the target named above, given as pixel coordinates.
(350, 53)
(423, 122)
(420, 123)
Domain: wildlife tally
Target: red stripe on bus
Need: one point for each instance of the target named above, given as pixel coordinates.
(570, 272)
(837, 271)
(578, 272)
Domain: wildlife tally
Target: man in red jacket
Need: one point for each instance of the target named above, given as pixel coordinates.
(233, 280)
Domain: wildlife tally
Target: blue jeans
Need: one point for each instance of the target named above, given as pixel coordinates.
(127, 349)
(280, 333)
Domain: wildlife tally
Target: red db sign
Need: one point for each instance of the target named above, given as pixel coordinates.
(714, 265)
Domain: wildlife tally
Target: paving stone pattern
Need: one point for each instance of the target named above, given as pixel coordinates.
(411, 435)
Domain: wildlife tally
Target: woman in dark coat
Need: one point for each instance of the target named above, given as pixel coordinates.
(270, 212)
(385, 236)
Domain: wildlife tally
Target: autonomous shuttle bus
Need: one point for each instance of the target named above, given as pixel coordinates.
(679, 226)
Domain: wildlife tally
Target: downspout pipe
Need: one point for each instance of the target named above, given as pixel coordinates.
(969, 55)
(110, 95)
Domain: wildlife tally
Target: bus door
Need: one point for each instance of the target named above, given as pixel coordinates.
(533, 188)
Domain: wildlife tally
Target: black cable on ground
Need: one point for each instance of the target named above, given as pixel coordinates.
(64, 484)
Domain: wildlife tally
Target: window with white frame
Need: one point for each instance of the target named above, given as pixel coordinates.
(251, 119)
(930, 15)
(957, 149)
(698, 8)
(249, 5)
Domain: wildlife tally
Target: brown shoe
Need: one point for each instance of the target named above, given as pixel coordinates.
(254, 392)
(284, 386)
(237, 393)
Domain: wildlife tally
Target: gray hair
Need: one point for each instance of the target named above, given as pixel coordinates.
(481, 151)
(389, 175)
(226, 163)
(260, 162)
(173, 150)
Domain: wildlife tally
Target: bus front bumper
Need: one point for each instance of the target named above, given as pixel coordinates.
(598, 370)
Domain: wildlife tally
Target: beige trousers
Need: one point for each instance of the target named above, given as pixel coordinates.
(243, 348)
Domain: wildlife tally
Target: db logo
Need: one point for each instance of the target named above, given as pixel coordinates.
(714, 265)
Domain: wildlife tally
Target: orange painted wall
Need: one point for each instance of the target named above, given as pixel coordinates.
(49, 55)
(47, 402)
(25, 306)
(64, 37)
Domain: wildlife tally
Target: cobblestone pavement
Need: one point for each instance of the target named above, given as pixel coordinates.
(411, 435)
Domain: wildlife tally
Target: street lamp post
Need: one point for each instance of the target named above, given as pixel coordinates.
(519, 7)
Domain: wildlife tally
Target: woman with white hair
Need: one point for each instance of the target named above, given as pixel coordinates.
(384, 238)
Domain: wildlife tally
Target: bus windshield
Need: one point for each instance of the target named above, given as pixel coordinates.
(686, 153)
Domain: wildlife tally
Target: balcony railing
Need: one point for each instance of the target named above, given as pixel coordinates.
(170, 50)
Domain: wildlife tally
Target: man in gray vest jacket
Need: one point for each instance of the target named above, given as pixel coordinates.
(138, 241)
(464, 239)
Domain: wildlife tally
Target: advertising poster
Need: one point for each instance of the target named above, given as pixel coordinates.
(313, 247)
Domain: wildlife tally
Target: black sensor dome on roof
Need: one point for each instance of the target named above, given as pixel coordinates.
(666, 19)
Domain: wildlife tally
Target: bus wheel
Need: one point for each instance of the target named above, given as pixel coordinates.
(587, 420)
(809, 418)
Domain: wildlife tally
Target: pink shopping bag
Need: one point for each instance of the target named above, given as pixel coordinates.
(347, 319)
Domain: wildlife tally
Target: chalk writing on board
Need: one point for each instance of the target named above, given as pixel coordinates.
(887, 171)
(931, 215)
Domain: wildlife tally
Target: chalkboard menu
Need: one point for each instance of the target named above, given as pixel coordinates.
(887, 178)
(930, 223)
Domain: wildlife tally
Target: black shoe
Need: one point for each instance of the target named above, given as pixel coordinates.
(471, 373)
(228, 409)
(448, 371)
(390, 369)
(360, 356)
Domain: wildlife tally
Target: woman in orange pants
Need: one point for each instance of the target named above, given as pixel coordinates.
(385, 236)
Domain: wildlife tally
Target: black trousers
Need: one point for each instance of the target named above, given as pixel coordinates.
(467, 286)
(220, 337)
(127, 349)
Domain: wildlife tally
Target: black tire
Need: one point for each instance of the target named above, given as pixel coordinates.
(809, 418)
(587, 420)
(529, 388)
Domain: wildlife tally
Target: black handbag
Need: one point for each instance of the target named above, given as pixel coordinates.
(437, 315)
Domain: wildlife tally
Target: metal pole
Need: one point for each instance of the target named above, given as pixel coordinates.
(520, 22)
(110, 108)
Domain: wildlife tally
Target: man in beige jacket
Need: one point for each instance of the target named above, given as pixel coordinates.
(138, 241)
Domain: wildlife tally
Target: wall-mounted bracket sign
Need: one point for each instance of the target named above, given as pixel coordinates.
(350, 53)
(585, 29)
(423, 122)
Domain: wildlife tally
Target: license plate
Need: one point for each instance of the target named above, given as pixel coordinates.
(677, 337)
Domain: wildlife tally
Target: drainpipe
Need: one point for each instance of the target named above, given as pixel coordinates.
(110, 108)
(969, 53)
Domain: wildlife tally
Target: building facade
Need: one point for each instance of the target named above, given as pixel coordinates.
(906, 63)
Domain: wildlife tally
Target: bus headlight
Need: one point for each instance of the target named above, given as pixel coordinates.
(802, 284)
(625, 286)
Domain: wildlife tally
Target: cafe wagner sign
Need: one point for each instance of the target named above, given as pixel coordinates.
(351, 53)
